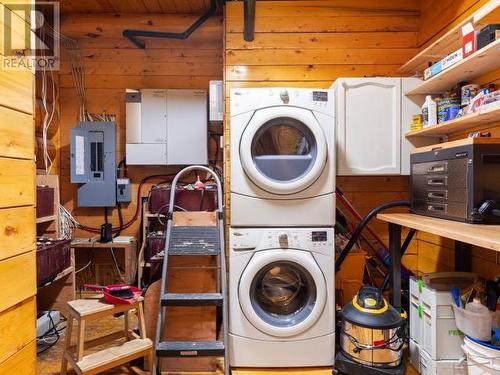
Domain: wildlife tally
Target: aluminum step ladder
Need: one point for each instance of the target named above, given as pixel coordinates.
(194, 241)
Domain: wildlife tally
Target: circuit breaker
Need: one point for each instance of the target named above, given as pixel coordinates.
(93, 163)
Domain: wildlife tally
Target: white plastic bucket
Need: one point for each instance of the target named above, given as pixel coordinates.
(476, 325)
(481, 359)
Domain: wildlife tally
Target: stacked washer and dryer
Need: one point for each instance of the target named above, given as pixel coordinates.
(281, 260)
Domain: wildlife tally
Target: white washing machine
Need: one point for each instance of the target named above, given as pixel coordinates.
(282, 158)
(281, 297)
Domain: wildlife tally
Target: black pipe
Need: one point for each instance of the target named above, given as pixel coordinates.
(133, 35)
(249, 20)
(362, 225)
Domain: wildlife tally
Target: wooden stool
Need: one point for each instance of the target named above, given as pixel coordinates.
(136, 346)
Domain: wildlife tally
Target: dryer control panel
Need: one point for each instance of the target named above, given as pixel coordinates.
(311, 239)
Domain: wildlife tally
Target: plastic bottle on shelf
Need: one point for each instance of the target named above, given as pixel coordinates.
(476, 307)
(429, 112)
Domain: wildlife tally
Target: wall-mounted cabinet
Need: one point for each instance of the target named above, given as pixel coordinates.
(372, 115)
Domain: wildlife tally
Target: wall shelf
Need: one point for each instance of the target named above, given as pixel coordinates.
(59, 276)
(452, 40)
(45, 219)
(480, 62)
(467, 122)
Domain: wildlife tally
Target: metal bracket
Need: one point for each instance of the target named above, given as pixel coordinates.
(133, 35)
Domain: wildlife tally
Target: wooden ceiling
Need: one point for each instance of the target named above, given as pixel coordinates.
(134, 6)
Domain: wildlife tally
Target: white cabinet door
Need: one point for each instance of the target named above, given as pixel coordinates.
(410, 106)
(368, 126)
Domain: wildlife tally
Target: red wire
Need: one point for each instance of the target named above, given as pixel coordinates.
(137, 210)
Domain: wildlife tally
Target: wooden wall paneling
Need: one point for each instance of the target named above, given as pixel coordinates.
(16, 332)
(113, 64)
(17, 231)
(310, 44)
(438, 16)
(16, 87)
(23, 362)
(16, 134)
(135, 6)
(18, 279)
(17, 187)
(17, 214)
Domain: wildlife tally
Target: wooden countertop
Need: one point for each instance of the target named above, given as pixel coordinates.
(487, 236)
(119, 242)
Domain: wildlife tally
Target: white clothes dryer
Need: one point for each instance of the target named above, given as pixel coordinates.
(282, 158)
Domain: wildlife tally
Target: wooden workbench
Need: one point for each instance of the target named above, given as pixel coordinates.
(126, 249)
(465, 236)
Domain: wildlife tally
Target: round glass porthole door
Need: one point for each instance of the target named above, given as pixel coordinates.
(283, 150)
(282, 296)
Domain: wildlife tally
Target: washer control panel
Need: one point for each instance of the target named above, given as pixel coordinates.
(313, 239)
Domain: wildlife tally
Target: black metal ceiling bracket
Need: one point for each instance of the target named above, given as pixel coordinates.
(249, 20)
(133, 35)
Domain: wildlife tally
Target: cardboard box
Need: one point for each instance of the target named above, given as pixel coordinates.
(468, 40)
(452, 59)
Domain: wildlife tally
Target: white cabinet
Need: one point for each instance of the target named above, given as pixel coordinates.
(372, 115)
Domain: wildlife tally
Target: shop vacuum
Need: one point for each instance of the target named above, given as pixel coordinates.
(372, 333)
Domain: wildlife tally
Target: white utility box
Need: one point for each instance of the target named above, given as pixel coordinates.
(166, 127)
(216, 101)
(372, 116)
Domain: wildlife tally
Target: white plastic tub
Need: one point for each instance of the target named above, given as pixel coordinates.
(475, 325)
(481, 359)
(428, 366)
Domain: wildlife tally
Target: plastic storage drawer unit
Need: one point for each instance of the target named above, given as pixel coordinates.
(432, 323)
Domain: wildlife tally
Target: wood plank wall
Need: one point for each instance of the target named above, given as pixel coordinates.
(435, 253)
(113, 64)
(310, 44)
(17, 214)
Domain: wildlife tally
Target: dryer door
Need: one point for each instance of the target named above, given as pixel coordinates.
(282, 292)
(283, 150)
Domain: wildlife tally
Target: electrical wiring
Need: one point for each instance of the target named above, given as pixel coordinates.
(137, 209)
(84, 267)
(49, 338)
(67, 223)
(115, 262)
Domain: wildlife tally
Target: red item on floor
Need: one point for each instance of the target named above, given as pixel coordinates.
(117, 294)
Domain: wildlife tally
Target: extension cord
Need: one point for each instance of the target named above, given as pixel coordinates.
(43, 323)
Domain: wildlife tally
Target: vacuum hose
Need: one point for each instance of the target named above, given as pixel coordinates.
(362, 225)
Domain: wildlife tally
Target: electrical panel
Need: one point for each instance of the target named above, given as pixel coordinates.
(216, 101)
(166, 127)
(93, 163)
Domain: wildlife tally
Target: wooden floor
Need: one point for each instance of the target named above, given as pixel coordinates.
(49, 363)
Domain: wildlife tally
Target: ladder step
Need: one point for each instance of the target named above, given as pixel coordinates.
(190, 349)
(191, 299)
(194, 241)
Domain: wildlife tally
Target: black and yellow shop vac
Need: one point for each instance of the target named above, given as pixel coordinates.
(372, 332)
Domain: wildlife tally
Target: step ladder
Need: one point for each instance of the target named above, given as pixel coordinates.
(194, 241)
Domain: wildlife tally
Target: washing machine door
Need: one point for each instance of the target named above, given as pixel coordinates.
(283, 150)
(282, 293)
